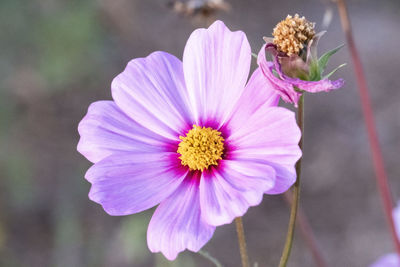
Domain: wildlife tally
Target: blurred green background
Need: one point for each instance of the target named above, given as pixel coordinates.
(59, 56)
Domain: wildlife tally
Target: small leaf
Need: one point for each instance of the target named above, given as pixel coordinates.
(254, 55)
(323, 60)
(332, 72)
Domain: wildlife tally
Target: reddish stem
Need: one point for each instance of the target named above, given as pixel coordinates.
(381, 177)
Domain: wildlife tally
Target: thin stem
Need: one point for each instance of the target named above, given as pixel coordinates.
(377, 158)
(207, 255)
(307, 233)
(242, 242)
(296, 193)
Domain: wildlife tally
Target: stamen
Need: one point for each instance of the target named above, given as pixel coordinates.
(201, 148)
(292, 34)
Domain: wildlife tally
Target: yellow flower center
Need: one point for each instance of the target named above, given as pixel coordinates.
(201, 148)
(292, 34)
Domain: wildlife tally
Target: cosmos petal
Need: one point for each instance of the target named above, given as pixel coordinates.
(396, 218)
(216, 64)
(129, 183)
(152, 91)
(228, 191)
(391, 259)
(285, 90)
(269, 136)
(258, 92)
(106, 130)
(177, 224)
(388, 260)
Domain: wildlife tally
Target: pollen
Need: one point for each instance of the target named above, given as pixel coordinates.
(292, 34)
(201, 148)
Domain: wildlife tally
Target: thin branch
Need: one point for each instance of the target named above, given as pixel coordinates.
(242, 242)
(296, 192)
(307, 233)
(377, 158)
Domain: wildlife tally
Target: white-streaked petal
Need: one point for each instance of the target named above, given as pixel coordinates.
(177, 224)
(269, 136)
(129, 183)
(258, 92)
(106, 130)
(152, 91)
(216, 64)
(228, 191)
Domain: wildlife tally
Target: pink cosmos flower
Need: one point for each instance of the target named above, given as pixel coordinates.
(290, 89)
(192, 137)
(391, 259)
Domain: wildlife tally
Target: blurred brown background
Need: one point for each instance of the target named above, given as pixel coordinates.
(59, 56)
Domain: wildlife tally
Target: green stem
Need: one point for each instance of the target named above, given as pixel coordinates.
(296, 192)
(207, 255)
(242, 242)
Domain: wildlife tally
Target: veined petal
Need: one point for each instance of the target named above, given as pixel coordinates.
(152, 91)
(216, 63)
(270, 136)
(228, 191)
(285, 89)
(177, 223)
(106, 130)
(324, 85)
(129, 183)
(258, 92)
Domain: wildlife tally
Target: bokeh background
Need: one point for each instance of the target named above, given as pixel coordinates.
(59, 56)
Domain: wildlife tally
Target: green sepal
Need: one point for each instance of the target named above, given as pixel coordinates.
(332, 72)
(314, 73)
(323, 60)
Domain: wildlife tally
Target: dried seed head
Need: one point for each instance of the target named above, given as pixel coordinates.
(292, 34)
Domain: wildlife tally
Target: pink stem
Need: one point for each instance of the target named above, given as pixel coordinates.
(381, 177)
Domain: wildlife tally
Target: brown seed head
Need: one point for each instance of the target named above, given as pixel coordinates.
(292, 34)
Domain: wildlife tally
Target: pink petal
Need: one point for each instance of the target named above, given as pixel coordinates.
(129, 183)
(258, 92)
(216, 63)
(285, 89)
(177, 224)
(106, 130)
(389, 260)
(227, 192)
(285, 177)
(396, 218)
(324, 85)
(152, 91)
(269, 136)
